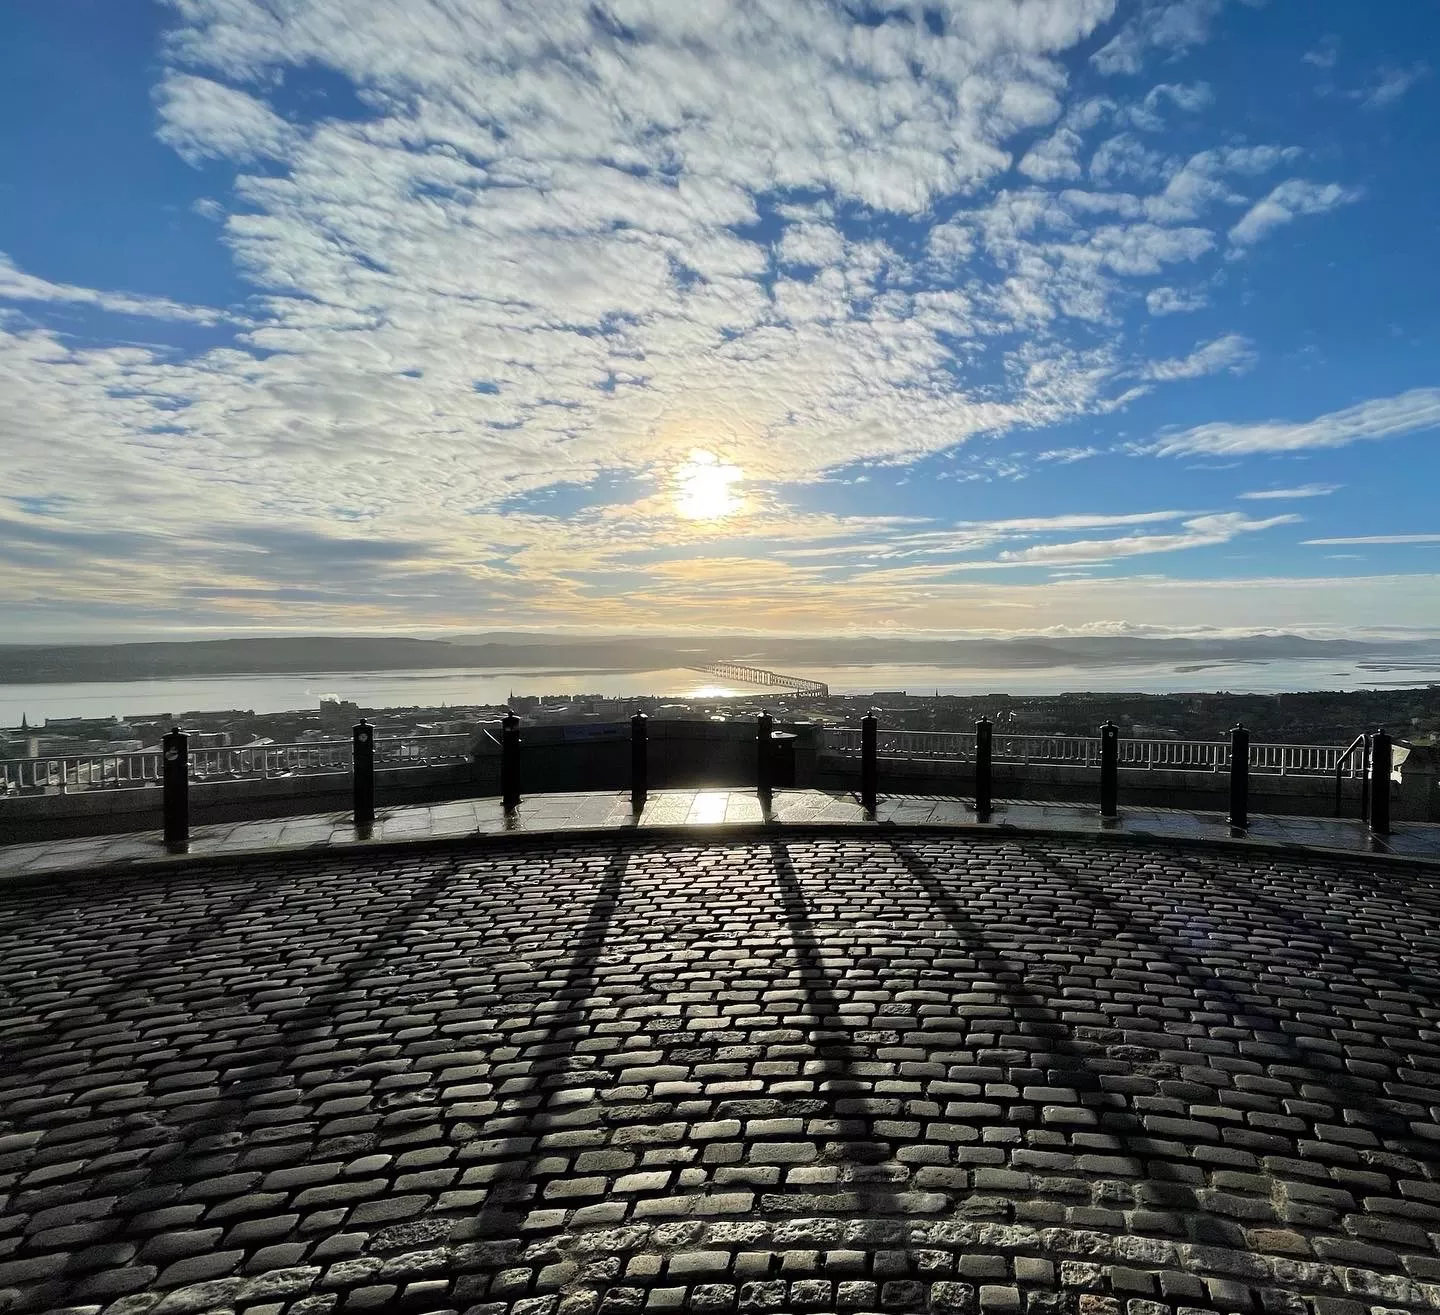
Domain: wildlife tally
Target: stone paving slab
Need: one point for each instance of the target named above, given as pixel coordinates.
(811, 1070)
(555, 813)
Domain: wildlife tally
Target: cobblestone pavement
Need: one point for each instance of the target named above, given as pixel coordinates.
(807, 1072)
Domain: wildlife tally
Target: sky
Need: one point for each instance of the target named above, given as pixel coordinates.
(999, 316)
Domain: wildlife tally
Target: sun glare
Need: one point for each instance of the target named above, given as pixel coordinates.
(702, 489)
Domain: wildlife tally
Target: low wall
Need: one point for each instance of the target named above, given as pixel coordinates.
(98, 812)
(689, 754)
(1415, 799)
(681, 755)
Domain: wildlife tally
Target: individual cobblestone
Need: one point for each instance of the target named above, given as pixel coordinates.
(823, 1071)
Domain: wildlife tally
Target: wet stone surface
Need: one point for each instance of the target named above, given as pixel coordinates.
(819, 1072)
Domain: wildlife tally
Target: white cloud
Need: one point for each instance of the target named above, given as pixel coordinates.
(1301, 491)
(1383, 417)
(1376, 539)
(1286, 202)
(546, 252)
(16, 285)
(1391, 85)
(1191, 98)
(1231, 352)
(1199, 532)
(1168, 25)
(1147, 248)
(1071, 521)
(202, 119)
(1201, 181)
(1126, 156)
(1054, 158)
(1174, 301)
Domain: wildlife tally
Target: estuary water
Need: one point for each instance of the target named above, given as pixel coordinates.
(405, 689)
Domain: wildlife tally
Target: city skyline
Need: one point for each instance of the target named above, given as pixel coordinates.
(1059, 316)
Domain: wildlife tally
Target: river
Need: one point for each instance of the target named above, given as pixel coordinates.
(399, 689)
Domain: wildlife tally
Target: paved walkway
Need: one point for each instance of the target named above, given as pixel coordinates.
(547, 814)
(979, 1073)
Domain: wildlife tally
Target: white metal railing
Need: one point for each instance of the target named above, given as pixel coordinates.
(1084, 751)
(421, 750)
(1178, 755)
(89, 772)
(229, 763)
(1065, 750)
(249, 761)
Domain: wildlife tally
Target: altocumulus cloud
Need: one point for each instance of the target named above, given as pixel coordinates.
(556, 240)
(1384, 417)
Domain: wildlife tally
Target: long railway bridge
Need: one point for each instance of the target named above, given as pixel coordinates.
(771, 679)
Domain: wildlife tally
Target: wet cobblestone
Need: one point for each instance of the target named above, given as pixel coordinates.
(814, 1072)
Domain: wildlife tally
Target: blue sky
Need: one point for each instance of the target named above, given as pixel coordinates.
(1023, 316)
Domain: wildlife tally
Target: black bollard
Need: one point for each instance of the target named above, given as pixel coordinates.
(764, 766)
(1381, 763)
(175, 759)
(1239, 778)
(510, 761)
(869, 760)
(639, 762)
(1109, 771)
(362, 772)
(984, 755)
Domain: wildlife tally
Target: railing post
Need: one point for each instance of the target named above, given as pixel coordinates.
(362, 772)
(1109, 771)
(175, 757)
(1240, 777)
(510, 761)
(1381, 759)
(984, 756)
(869, 760)
(639, 762)
(764, 725)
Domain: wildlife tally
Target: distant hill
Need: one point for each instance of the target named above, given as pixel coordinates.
(520, 651)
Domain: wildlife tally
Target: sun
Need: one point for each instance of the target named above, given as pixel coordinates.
(703, 487)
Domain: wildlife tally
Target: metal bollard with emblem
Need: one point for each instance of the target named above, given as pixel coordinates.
(1109, 771)
(363, 772)
(984, 776)
(175, 773)
(510, 761)
(1239, 778)
(869, 761)
(764, 774)
(639, 762)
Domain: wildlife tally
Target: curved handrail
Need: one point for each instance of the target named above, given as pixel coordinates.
(1359, 741)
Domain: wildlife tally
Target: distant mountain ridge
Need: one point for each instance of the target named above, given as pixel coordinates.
(518, 651)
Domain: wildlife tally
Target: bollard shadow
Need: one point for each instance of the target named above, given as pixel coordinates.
(1083, 1063)
(1335, 940)
(185, 1148)
(1245, 1012)
(512, 1187)
(858, 1148)
(184, 1152)
(1080, 1065)
(103, 1003)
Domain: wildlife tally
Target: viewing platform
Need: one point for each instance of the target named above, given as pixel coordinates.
(462, 1041)
(575, 1060)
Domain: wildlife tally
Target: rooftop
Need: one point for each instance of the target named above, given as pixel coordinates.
(799, 1067)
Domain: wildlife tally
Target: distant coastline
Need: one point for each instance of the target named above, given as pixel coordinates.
(522, 654)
